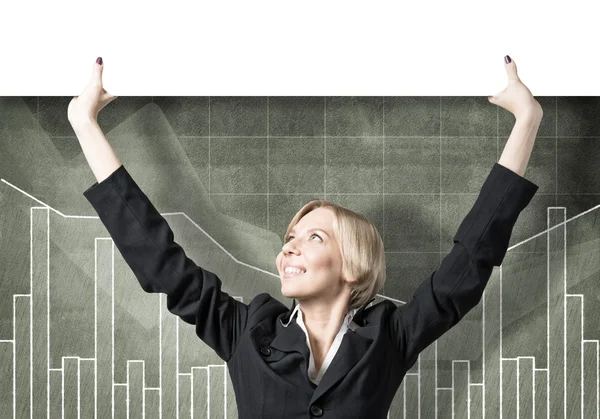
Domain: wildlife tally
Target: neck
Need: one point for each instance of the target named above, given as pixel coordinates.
(323, 321)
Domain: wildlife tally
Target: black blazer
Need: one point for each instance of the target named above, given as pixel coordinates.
(268, 362)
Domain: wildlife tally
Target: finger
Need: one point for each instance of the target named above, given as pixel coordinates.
(105, 100)
(105, 94)
(107, 97)
(511, 69)
(494, 98)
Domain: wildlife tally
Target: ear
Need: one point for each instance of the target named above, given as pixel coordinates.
(347, 277)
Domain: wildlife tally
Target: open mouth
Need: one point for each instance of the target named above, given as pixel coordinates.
(292, 274)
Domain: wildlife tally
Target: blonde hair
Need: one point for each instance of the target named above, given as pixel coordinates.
(363, 255)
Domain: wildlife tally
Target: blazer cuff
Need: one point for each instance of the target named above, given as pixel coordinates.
(97, 192)
(503, 196)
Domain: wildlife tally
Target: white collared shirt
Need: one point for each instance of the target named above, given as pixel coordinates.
(346, 324)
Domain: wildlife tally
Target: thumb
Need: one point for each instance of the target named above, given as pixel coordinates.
(97, 72)
(496, 99)
(511, 68)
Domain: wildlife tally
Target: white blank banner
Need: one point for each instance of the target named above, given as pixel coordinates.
(309, 48)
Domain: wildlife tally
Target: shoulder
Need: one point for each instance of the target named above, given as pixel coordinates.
(264, 306)
(378, 310)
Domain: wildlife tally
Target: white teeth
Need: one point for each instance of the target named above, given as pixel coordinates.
(293, 270)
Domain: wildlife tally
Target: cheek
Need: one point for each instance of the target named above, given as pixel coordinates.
(325, 267)
(328, 261)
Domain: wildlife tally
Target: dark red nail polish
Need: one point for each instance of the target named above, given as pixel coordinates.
(99, 60)
(507, 59)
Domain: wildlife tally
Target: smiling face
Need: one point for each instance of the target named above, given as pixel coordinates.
(312, 246)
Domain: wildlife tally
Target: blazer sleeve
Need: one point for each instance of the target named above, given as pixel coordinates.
(146, 242)
(457, 286)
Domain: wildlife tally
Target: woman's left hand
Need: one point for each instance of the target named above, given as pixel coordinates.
(516, 97)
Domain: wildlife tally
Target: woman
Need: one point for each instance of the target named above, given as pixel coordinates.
(334, 354)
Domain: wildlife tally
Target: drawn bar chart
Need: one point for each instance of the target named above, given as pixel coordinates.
(539, 357)
(559, 377)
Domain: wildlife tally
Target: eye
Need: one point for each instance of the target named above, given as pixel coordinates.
(314, 234)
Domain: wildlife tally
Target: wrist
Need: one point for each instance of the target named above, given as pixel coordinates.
(532, 113)
(81, 123)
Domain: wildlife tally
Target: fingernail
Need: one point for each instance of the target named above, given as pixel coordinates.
(99, 60)
(507, 59)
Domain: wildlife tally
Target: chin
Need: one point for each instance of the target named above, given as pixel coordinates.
(285, 291)
(288, 291)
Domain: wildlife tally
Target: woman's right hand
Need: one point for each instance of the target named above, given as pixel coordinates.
(516, 97)
(90, 102)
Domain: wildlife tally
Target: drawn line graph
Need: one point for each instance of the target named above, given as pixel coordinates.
(512, 386)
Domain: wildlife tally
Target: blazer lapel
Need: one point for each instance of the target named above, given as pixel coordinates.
(353, 347)
(355, 344)
(292, 339)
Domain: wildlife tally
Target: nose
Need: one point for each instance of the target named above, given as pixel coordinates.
(287, 247)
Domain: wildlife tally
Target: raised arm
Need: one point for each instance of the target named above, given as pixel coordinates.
(481, 241)
(82, 114)
(146, 241)
(452, 290)
(147, 245)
